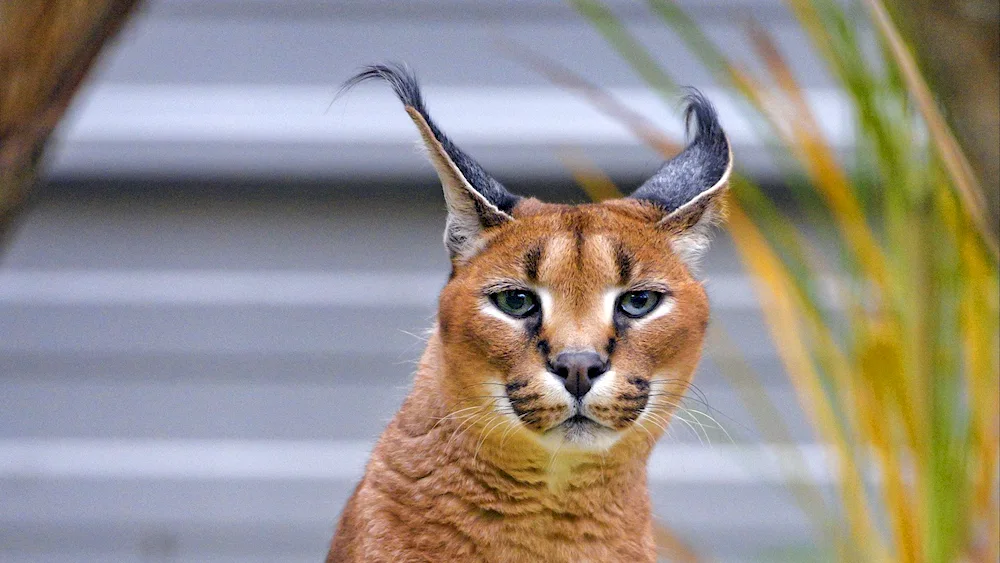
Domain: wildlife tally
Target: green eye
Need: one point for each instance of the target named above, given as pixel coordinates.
(636, 304)
(517, 303)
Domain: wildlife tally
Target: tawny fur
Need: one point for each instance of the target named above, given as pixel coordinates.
(463, 473)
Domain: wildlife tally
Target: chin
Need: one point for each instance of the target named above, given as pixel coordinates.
(579, 434)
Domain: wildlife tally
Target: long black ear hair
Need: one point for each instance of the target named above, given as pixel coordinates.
(689, 187)
(476, 201)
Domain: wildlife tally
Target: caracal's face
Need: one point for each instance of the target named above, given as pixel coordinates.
(573, 325)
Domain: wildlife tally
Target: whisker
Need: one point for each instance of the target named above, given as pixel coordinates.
(552, 459)
(717, 426)
(685, 385)
(458, 411)
(419, 337)
(462, 420)
(659, 421)
(683, 420)
(704, 401)
(483, 383)
(694, 412)
(513, 426)
(489, 428)
(642, 426)
(487, 435)
(682, 408)
(467, 424)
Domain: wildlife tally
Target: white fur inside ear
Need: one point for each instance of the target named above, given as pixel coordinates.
(692, 234)
(461, 233)
(691, 245)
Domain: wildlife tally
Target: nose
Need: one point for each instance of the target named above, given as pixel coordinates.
(578, 370)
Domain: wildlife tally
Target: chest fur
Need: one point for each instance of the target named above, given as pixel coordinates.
(427, 496)
(465, 511)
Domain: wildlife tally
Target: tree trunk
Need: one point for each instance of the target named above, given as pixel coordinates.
(958, 44)
(46, 49)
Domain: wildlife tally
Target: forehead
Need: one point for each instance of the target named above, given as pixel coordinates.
(592, 246)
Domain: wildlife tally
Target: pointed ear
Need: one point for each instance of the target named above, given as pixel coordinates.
(475, 200)
(690, 187)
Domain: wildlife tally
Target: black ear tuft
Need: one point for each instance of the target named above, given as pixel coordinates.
(404, 84)
(700, 169)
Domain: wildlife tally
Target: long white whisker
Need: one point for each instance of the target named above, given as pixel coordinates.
(512, 426)
(487, 435)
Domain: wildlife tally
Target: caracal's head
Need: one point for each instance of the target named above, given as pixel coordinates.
(572, 327)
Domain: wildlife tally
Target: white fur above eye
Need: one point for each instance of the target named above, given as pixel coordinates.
(547, 303)
(608, 302)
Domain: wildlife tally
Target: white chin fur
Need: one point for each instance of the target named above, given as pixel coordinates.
(590, 437)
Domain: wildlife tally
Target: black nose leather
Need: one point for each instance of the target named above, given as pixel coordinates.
(578, 370)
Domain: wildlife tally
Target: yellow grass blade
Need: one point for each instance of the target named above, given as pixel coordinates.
(588, 176)
(912, 382)
(868, 403)
(604, 102)
(879, 411)
(980, 327)
(775, 292)
(805, 139)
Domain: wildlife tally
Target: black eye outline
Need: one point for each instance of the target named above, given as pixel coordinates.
(654, 299)
(499, 299)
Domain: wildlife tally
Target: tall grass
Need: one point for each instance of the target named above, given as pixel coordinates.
(902, 377)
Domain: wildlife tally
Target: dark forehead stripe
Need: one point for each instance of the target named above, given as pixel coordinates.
(625, 262)
(531, 261)
(576, 224)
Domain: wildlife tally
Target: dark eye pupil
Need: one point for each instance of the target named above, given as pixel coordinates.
(516, 300)
(639, 299)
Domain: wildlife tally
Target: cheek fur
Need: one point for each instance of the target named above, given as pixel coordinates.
(538, 400)
(481, 339)
(617, 400)
(669, 340)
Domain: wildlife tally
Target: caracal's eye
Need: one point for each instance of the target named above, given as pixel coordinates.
(517, 303)
(637, 304)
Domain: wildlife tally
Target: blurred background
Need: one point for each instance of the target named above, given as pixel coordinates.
(212, 302)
